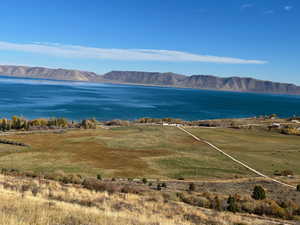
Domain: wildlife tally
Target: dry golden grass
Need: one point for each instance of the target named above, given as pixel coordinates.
(45, 202)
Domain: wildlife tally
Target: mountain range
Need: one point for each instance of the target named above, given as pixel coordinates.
(242, 84)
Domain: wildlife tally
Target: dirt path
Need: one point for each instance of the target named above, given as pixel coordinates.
(234, 159)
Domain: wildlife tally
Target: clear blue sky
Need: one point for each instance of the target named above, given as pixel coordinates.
(257, 38)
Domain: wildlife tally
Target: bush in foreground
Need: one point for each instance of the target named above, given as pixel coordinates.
(144, 180)
(232, 206)
(99, 177)
(192, 187)
(259, 193)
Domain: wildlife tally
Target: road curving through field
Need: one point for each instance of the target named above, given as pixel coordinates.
(234, 159)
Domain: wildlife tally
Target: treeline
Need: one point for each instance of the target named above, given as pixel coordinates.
(204, 123)
(20, 123)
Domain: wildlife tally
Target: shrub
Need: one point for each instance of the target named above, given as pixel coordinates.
(144, 180)
(158, 187)
(216, 204)
(290, 131)
(96, 185)
(75, 178)
(131, 189)
(164, 185)
(248, 206)
(274, 209)
(30, 174)
(117, 123)
(4, 170)
(88, 124)
(192, 187)
(232, 206)
(169, 196)
(93, 184)
(35, 190)
(99, 177)
(24, 188)
(283, 173)
(193, 218)
(287, 173)
(259, 193)
(298, 187)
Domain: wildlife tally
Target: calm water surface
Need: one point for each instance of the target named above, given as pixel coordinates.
(34, 98)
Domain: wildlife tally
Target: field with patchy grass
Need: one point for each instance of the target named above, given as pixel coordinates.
(137, 151)
(265, 151)
(152, 152)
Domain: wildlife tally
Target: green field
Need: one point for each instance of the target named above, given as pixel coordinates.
(262, 150)
(152, 152)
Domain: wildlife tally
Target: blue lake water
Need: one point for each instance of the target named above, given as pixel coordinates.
(34, 98)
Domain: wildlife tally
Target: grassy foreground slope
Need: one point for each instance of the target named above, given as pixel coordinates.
(26, 201)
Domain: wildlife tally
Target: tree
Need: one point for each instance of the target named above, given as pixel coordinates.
(192, 187)
(232, 207)
(217, 203)
(158, 187)
(259, 193)
(298, 187)
(144, 180)
(89, 124)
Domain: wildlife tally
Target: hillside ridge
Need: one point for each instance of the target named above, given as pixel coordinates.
(234, 83)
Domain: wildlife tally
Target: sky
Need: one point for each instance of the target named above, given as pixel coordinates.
(248, 38)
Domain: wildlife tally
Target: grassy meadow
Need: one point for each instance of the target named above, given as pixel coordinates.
(135, 151)
(262, 150)
(152, 152)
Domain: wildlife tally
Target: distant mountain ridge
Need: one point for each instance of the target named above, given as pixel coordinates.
(47, 73)
(241, 84)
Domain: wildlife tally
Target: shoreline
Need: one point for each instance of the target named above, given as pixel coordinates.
(113, 82)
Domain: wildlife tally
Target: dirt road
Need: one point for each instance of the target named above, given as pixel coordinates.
(234, 159)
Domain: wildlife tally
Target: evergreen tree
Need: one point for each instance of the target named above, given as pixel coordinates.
(259, 193)
(144, 180)
(232, 207)
(192, 187)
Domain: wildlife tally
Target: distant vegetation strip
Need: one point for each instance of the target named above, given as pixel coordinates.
(20, 123)
(288, 126)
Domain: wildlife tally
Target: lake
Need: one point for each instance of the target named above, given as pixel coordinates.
(33, 98)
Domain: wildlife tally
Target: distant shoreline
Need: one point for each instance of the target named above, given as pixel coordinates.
(202, 82)
(147, 85)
